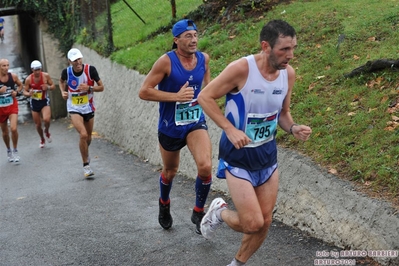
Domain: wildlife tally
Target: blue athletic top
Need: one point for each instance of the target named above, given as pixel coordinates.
(176, 119)
(255, 110)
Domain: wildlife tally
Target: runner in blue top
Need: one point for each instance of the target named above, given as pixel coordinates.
(175, 81)
(258, 92)
(2, 29)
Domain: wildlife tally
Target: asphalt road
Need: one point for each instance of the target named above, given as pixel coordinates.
(51, 215)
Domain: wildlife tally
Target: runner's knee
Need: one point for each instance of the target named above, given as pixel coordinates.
(204, 169)
(169, 174)
(252, 224)
(13, 129)
(46, 120)
(84, 136)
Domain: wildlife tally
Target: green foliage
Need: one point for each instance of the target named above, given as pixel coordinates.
(129, 29)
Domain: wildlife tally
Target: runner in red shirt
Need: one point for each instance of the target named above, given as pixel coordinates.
(37, 85)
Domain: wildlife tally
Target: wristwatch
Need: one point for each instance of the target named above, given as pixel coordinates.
(90, 88)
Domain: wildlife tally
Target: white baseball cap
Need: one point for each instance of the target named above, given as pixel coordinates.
(74, 54)
(36, 64)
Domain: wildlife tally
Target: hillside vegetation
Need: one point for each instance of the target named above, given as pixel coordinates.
(354, 120)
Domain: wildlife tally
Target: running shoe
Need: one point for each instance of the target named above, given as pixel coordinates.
(210, 222)
(42, 143)
(196, 218)
(16, 156)
(164, 217)
(48, 137)
(10, 156)
(236, 263)
(87, 171)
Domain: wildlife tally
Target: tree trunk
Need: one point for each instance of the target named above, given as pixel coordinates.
(173, 4)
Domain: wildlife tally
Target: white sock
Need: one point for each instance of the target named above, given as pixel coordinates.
(219, 213)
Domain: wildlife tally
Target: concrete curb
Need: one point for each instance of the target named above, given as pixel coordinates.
(309, 198)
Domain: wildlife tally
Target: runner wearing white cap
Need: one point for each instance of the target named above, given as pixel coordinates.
(37, 85)
(78, 83)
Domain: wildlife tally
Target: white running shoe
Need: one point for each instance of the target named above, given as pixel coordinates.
(210, 222)
(16, 156)
(42, 143)
(48, 137)
(10, 156)
(236, 263)
(87, 171)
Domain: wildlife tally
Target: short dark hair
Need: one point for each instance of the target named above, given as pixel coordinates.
(274, 29)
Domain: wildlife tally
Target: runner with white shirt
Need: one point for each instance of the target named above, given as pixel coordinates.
(258, 92)
(78, 83)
